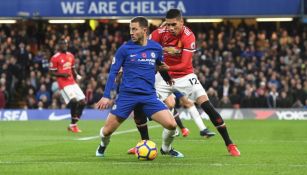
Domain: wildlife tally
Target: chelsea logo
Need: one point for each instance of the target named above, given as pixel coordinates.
(153, 55)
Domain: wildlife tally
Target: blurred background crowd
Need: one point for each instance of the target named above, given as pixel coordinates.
(240, 65)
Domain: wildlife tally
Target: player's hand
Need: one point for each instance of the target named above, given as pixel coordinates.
(103, 103)
(163, 24)
(78, 77)
(163, 67)
(66, 75)
(171, 82)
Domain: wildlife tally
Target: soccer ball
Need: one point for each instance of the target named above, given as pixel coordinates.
(146, 150)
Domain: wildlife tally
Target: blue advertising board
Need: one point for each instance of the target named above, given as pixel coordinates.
(154, 8)
(48, 114)
(92, 114)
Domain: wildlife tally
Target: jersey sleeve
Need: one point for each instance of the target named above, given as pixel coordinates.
(53, 64)
(189, 43)
(117, 63)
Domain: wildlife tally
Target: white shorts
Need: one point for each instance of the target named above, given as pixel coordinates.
(188, 85)
(72, 91)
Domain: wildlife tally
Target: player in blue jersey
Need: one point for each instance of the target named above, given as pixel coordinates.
(138, 59)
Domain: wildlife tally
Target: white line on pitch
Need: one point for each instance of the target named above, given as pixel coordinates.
(115, 133)
(162, 164)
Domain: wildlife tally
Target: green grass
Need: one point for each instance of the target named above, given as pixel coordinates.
(46, 148)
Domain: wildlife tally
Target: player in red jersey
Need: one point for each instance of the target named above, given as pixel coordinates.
(62, 66)
(178, 42)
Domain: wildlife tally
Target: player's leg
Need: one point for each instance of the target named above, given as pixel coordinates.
(159, 113)
(140, 120)
(218, 122)
(190, 86)
(70, 98)
(80, 108)
(189, 105)
(112, 123)
(80, 104)
(170, 101)
(121, 110)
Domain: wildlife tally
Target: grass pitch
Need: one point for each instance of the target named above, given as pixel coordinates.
(46, 148)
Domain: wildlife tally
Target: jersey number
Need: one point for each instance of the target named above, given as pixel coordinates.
(193, 81)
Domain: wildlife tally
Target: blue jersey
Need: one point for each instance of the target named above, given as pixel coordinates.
(138, 63)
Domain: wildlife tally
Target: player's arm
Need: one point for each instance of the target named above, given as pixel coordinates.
(164, 73)
(75, 73)
(117, 62)
(57, 74)
(74, 70)
(186, 58)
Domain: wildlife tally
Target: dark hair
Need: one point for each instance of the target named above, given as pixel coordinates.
(141, 20)
(173, 13)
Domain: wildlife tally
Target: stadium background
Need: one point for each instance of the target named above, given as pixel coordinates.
(241, 62)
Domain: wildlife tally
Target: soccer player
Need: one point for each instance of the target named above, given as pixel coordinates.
(178, 43)
(138, 58)
(62, 66)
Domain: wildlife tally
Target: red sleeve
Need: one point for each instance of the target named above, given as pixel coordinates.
(186, 59)
(155, 36)
(189, 42)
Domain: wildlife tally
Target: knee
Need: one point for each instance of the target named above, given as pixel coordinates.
(171, 126)
(200, 100)
(73, 101)
(105, 132)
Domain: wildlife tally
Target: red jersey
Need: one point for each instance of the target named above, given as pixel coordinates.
(63, 63)
(178, 50)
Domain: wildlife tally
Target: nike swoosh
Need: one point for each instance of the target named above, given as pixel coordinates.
(52, 116)
(132, 55)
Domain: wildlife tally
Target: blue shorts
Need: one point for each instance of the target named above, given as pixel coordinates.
(178, 94)
(126, 102)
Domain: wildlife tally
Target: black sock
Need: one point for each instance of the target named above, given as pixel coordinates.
(223, 131)
(80, 107)
(143, 130)
(217, 121)
(74, 120)
(178, 120)
(73, 111)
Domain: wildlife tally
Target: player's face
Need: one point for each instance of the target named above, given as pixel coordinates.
(137, 33)
(174, 25)
(63, 46)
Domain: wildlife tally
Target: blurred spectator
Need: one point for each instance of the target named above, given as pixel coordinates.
(225, 102)
(43, 95)
(272, 97)
(283, 101)
(2, 96)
